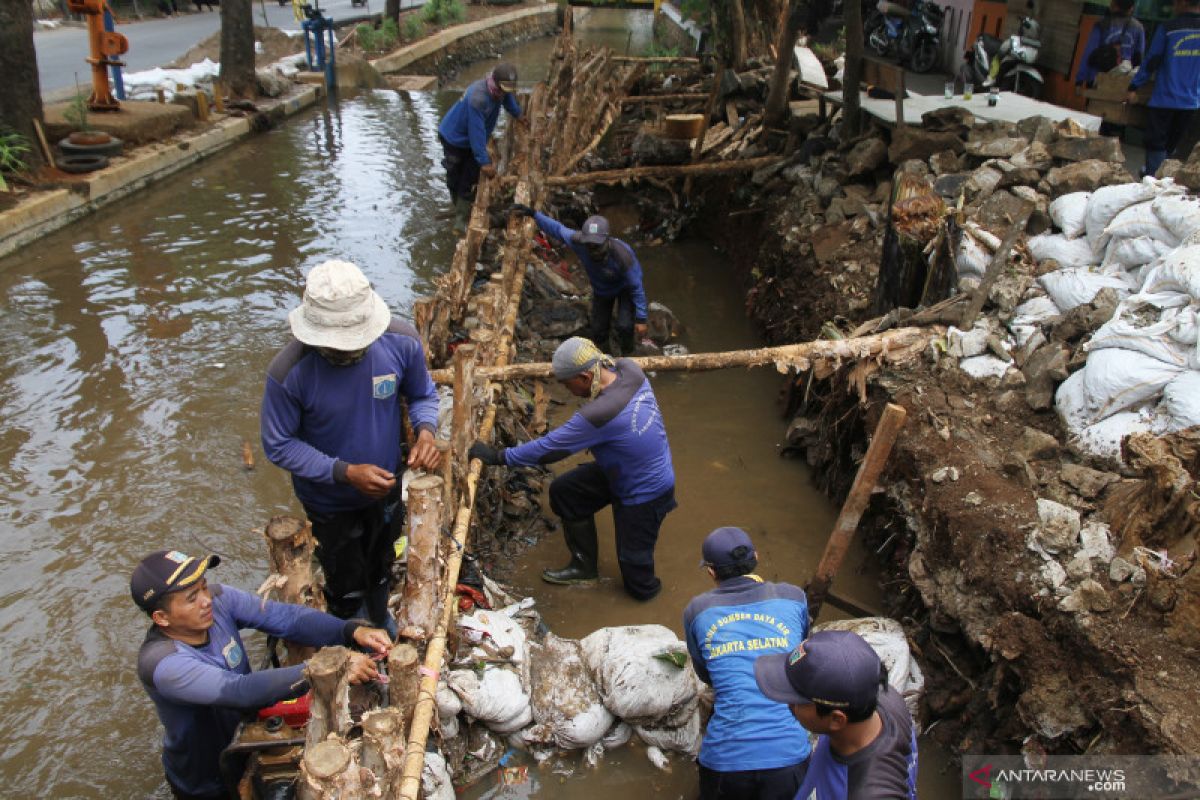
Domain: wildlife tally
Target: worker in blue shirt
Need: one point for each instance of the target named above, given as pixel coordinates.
(464, 134)
(331, 416)
(1173, 60)
(194, 666)
(753, 748)
(1117, 42)
(614, 272)
(622, 426)
(837, 688)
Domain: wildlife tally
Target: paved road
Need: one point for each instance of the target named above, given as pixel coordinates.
(155, 42)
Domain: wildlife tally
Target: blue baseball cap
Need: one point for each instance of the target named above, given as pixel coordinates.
(726, 546)
(834, 668)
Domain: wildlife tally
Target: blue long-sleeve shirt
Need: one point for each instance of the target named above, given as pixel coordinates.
(726, 629)
(1174, 61)
(471, 120)
(619, 271)
(317, 419)
(201, 692)
(1126, 31)
(625, 431)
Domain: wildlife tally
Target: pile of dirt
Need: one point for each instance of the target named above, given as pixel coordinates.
(272, 44)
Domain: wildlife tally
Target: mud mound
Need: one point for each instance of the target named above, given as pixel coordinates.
(275, 45)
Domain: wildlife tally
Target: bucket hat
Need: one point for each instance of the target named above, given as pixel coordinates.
(340, 310)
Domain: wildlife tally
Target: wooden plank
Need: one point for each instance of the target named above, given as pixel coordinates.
(667, 171)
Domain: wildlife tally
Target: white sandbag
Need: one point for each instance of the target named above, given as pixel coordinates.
(1144, 329)
(1108, 201)
(971, 258)
(1138, 251)
(1103, 439)
(1178, 273)
(563, 698)
(448, 704)
(497, 699)
(887, 638)
(493, 633)
(636, 686)
(1067, 252)
(986, 366)
(1116, 380)
(435, 778)
(1137, 220)
(617, 736)
(1181, 399)
(1069, 288)
(1035, 311)
(683, 738)
(1069, 213)
(1179, 213)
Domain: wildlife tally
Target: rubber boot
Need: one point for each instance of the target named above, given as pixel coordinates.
(580, 535)
(462, 214)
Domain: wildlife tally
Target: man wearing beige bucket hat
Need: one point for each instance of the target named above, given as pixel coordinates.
(331, 416)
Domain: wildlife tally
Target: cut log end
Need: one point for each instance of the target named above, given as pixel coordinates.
(427, 483)
(329, 661)
(326, 759)
(402, 655)
(283, 528)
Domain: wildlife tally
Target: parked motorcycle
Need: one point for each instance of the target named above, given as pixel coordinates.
(1007, 63)
(910, 35)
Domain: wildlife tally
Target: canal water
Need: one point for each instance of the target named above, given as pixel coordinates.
(131, 367)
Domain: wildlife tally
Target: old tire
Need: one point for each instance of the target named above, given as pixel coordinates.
(110, 148)
(924, 55)
(77, 164)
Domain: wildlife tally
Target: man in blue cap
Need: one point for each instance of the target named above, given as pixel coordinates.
(194, 666)
(622, 426)
(753, 747)
(613, 270)
(837, 688)
(464, 134)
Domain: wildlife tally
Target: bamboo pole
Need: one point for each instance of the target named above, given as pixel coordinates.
(641, 99)
(663, 171)
(656, 59)
(897, 344)
(856, 503)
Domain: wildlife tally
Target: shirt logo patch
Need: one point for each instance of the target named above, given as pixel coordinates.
(232, 653)
(383, 386)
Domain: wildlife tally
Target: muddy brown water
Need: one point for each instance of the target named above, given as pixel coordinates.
(132, 351)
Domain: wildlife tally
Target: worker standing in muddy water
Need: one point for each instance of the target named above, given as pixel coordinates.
(464, 134)
(331, 416)
(194, 666)
(753, 748)
(613, 270)
(837, 688)
(624, 429)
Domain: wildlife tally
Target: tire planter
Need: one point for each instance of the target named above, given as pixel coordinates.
(110, 147)
(76, 164)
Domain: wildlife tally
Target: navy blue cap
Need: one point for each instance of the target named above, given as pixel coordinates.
(594, 231)
(834, 668)
(726, 546)
(164, 572)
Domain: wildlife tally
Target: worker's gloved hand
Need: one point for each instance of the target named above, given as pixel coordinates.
(522, 209)
(487, 454)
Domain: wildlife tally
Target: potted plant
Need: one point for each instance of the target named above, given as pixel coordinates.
(85, 140)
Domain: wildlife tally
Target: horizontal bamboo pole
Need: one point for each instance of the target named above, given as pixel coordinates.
(663, 171)
(656, 59)
(900, 340)
(638, 99)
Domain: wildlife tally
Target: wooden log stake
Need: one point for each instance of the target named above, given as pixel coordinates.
(328, 674)
(893, 345)
(443, 446)
(328, 772)
(856, 503)
(662, 171)
(418, 614)
(47, 153)
(708, 112)
(404, 680)
(655, 60)
(642, 99)
(290, 547)
(463, 420)
(383, 746)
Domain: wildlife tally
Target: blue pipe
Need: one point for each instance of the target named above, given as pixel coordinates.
(117, 79)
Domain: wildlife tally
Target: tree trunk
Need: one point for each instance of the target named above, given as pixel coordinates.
(419, 612)
(851, 86)
(20, 93)
(237, 48)
(327, 674)
(391, 10)
(404, 679)
(329, 771)
(663, 171)
(290, 544)
(777, 96)
(383, 746)
(737, 34)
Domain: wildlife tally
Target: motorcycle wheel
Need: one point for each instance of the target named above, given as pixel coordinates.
(924, 55)
(875, 35)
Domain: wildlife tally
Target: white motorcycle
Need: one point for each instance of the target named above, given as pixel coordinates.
(1007, 63)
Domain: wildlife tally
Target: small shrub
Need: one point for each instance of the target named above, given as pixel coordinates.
(77, 113)
(366, 37)
(13, 147)
(696, 10)
(389, 34)
(414, 28)
(444, 12)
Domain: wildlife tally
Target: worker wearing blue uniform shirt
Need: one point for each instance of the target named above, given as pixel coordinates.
(1119, 29)
(837, 688)
(753, 748)
(194, 666)
(614, 272)
(1173, 60)
(331, 416)
(465, 130)
(624, 429)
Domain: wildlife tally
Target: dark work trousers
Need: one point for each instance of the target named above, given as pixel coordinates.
(581, 492)
(1164, 130)
(180, 794)
(753, 784)
(356, 550)
(602, 320)
(462, 170)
